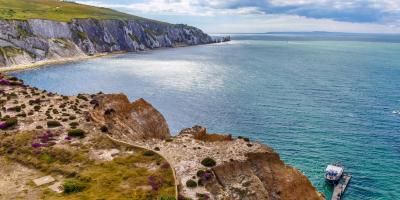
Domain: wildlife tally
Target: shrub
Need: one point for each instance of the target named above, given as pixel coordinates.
(246, 139)
(21, 115)
(164, 197)
(17, 108)
(81, 96)
(52, 124)
(148, 153)
(157, 149)
(75, 124)
(76, 133)
(73, 186)
(200, 173)
(11, 122)
(39, 127)
(104, 129)
(109, 111)
(191, 183)
(36, 107)
(72, 117)
(208, 162)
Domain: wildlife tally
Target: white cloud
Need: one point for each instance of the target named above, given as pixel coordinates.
(182, 7)
(288, 23)
(273, 15)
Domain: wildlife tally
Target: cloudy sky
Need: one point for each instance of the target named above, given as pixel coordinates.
(251, 16)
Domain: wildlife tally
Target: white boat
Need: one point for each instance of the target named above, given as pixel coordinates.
(333, 173)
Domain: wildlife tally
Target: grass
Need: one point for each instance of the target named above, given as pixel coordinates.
(9, 52)
(122, 178)
(57, 10)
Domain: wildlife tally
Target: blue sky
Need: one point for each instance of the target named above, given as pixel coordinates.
(250, 16)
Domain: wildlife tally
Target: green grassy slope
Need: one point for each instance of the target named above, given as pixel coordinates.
(56, 10)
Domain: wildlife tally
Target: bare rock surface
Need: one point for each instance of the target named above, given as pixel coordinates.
(24, 42)
(137, 120)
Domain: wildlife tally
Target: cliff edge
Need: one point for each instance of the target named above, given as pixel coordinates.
(35, 124)
(239, 168)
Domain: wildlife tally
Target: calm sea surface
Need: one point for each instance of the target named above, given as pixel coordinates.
(315, 98)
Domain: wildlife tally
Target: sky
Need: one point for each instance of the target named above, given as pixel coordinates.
(259, 16)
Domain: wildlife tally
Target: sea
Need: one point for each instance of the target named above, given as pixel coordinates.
(316, 98)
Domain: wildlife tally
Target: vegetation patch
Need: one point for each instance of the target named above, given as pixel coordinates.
(74, 186)
(9, 52)
(122, 178)
(191, 183)
(76, 133)
(53, 124)
(208, 162)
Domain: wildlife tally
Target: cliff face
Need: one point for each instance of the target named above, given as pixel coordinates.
(29, 41)
(131, 121)
(261, 176)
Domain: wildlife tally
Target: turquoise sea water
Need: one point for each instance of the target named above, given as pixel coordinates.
(315, 98)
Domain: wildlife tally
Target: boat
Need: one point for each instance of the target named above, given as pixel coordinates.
(333, 173)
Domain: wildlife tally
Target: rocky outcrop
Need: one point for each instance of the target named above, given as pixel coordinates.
(200, 133)
(30, 41)
(131, 121)
(262, 176)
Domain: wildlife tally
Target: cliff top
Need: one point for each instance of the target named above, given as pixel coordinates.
(58, 10)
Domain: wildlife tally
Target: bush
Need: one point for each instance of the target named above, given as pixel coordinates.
(169, 140)
(200, 173)
(148, 153)
(74, 124)
(52, 124)
(104, 129)
(73, 186)
(76, 133)
(81, 96)
(208, 162)
(36, 107)
(191, 183)
(11, 122)
(164, 197)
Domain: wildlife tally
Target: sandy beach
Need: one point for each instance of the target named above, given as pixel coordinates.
(43, 63)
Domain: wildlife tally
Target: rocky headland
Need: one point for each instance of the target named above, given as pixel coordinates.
(102, 146)
(107, 127)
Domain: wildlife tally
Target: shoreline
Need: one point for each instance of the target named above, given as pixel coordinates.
(44, 63)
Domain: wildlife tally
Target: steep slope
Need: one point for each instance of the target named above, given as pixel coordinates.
(57, 10)
(137, 121)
